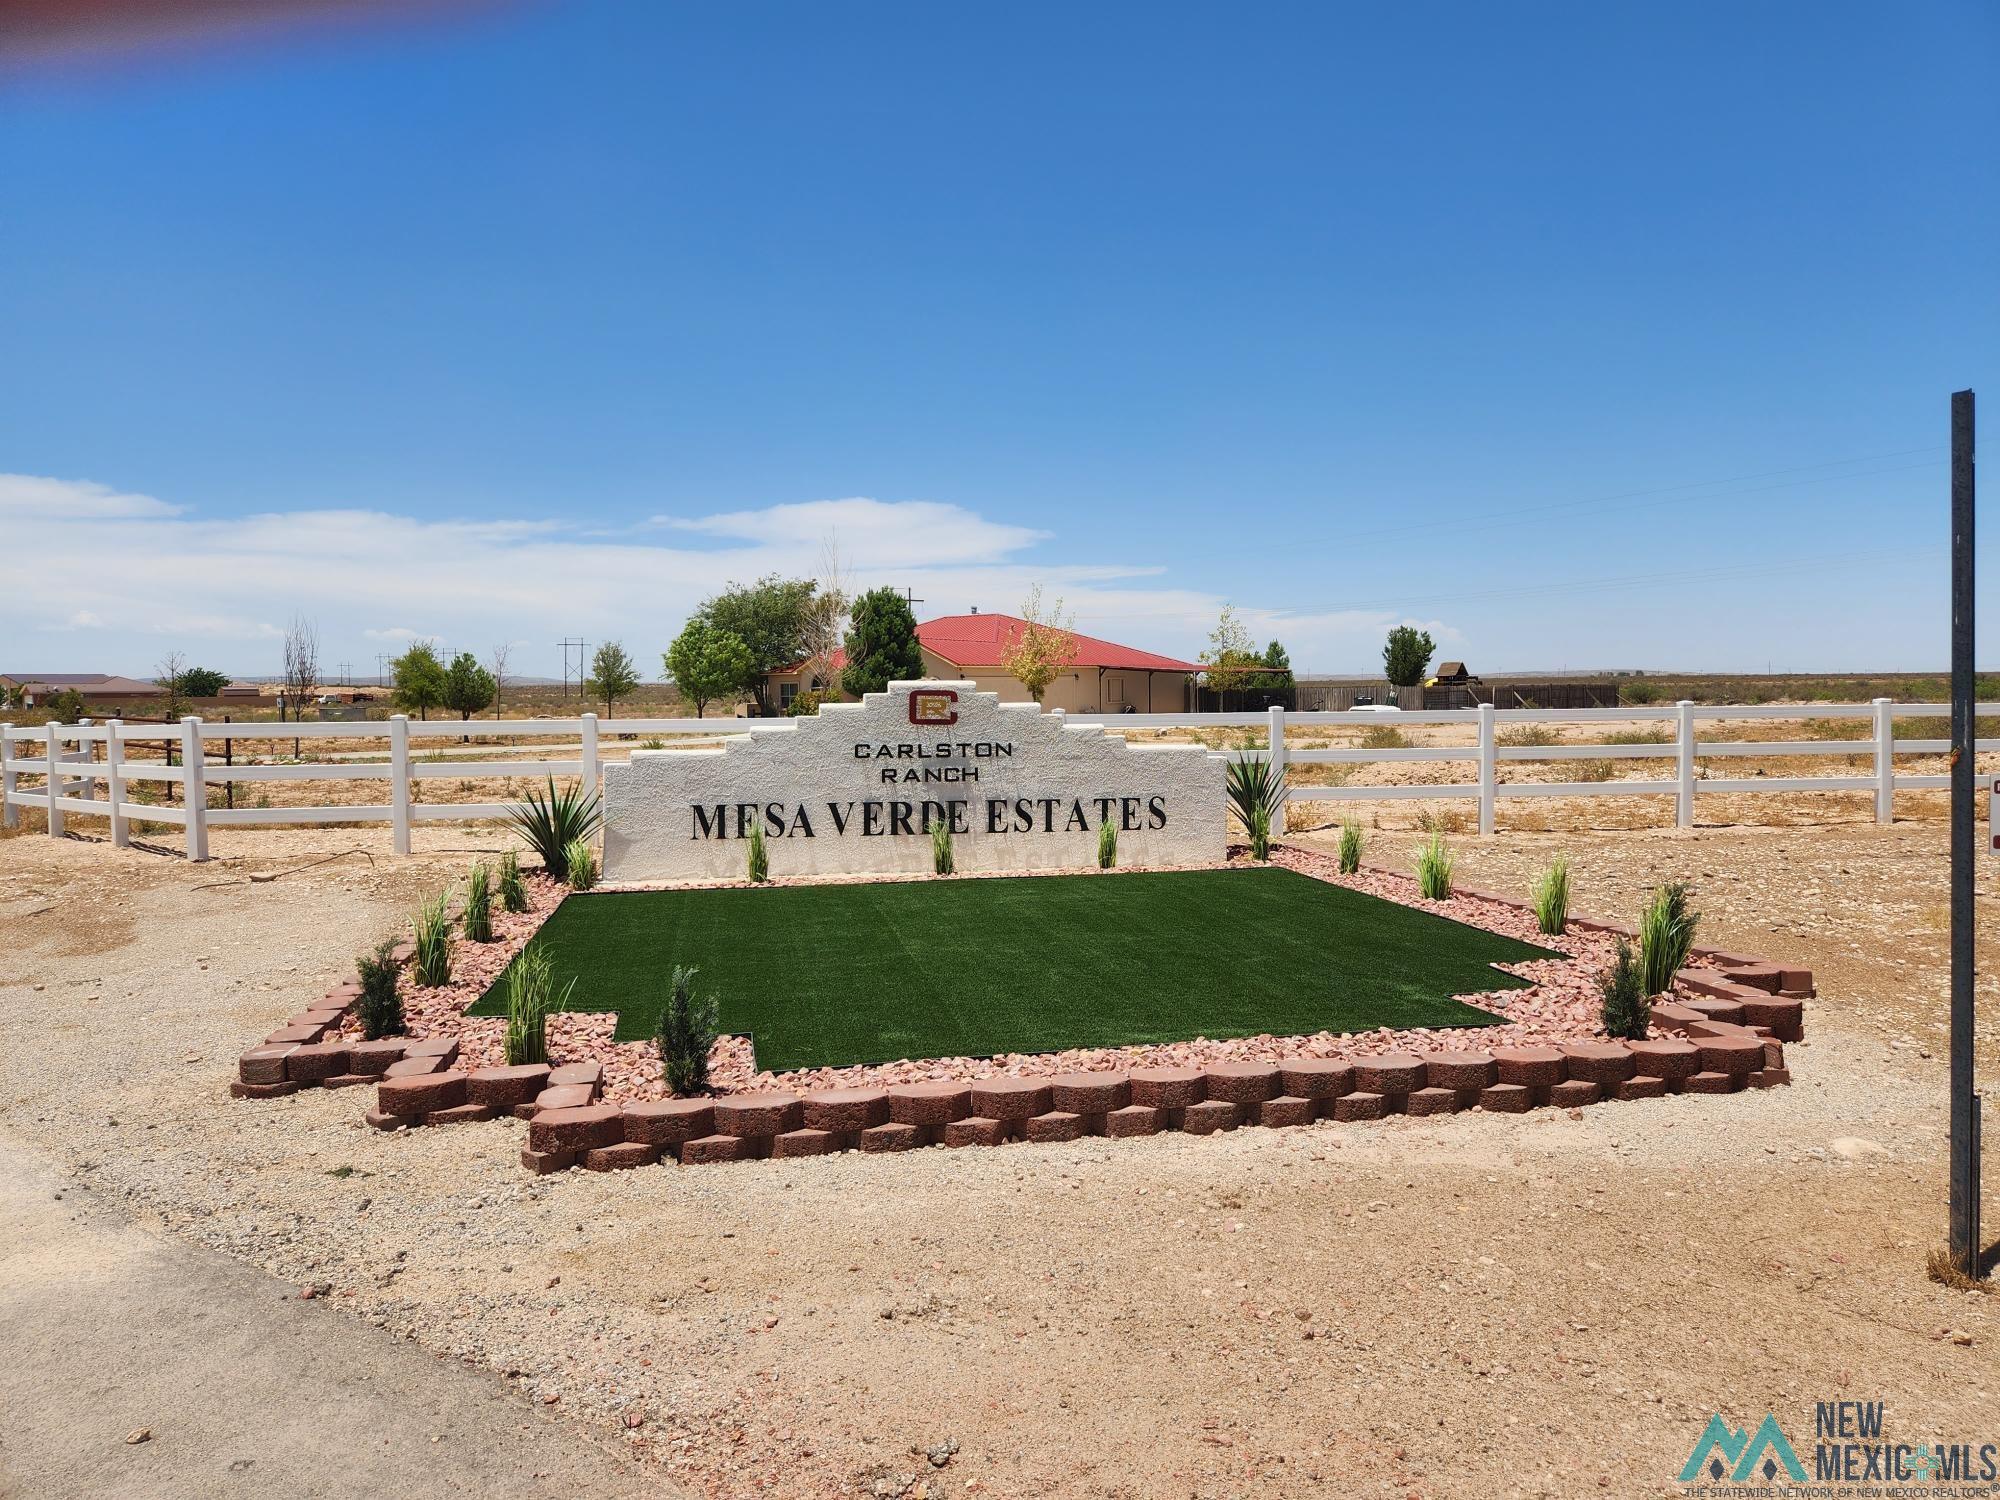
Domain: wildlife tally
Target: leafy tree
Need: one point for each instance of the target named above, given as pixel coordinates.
(613, 674)
(468, 687)
(772, 619)
(420, 679)
(1279, 678)
(203, 682)
(65, 707)
(1043, 651)
(707, 663)
(1229, 654)
(881, 644)
(1407, 656)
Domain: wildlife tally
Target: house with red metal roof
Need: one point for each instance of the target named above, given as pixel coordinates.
(1101, 676)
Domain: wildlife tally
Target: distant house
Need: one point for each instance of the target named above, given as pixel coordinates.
(1103, 676)
(99, 690)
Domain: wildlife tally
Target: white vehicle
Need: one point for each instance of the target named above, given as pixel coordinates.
(1377, 708)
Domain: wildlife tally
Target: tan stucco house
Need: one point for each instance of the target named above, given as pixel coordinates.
(1103, 677)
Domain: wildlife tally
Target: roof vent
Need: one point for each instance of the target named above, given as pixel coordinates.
(975, 609)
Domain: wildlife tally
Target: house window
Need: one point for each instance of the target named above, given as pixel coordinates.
(787, 691)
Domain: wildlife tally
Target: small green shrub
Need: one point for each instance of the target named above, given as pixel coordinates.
(1256, 790)
(433, 934)
(941, 859)
(1434, 865)
(552, 824)
(687, 1032)
(1351, 838)
(1107, 845)
(581, 859)
(1627, 1011)
(1638, 693)
(1528, 734)
(513, 894)
(380, 1008)
(530, 992)
(1551, 897)
(1666, 934)
(1637, 737)
(1384, 737)
(653, 742)
(479, 905)
(759, 856)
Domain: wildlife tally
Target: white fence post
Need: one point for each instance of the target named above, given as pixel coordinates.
(1278, 764)
(1684, 740)
(10, 815)
(1488, 768)
(53, 759)
(114, 780)
(1885, 761)
(194, 789)
(399, 780)
(590, 755)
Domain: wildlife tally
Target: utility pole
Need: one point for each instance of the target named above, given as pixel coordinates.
(910, 594)
(1964, 1099)
(381, 669)
(581, 647)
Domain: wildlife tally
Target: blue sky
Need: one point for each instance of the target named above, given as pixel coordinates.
(1587, 336)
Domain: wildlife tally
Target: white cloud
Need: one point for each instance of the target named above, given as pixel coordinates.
(129, 576)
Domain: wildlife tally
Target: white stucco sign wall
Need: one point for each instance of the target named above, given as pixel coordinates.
(857, 788)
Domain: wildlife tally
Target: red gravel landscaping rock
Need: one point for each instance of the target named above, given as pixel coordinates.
(1168, 1088)
(753, 1115)
(840, 1111)
(504, 1087)
(1009, 1098)
(661, 1122)
(582, 1129)
(929, 1103)
(1391, 1073)
(420, 1096)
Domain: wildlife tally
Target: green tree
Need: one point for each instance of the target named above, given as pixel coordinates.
(203, 682)
(1279, 678)
(468, 687)
(420, 679)
(65, 707)
(613, 674)
(1045, 647)
(707, 663)
(771, 617)
(1229, 654)
(881, 644)
(1407, 656)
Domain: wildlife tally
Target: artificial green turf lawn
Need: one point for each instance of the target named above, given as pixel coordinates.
(826, 976)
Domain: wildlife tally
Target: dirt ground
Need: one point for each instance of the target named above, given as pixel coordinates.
(1479, 1306)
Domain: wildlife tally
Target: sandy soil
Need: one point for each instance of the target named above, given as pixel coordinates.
(1482, 1306)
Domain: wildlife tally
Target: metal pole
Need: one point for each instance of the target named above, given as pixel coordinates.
(1964, 1103)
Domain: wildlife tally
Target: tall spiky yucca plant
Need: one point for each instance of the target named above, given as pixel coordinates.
(553, 823)
(1666, 935)
(479, 905)
(1256, 791)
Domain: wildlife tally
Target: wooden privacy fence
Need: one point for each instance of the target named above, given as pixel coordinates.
(75, 761)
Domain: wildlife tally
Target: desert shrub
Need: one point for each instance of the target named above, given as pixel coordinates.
(1638, 693)
(1528, 734)
(1594, 770)
(1441, 820)
(529, 987)
(581, 860)
(513, 894)
(380, 1008)
(941, 860)
(1627, 1012)
(1434, 866)
(1637, 737)
(1666, 933)
(687, 1032)
(1551, 897)
(653, 742)
(479, 905)
(553, 824)
(1256, 791)
(433, 934)
(757, 856)
(1384, 737)
(1107, 845)
(1350, 846)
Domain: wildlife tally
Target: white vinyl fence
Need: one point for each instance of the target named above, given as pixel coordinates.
(87, 771)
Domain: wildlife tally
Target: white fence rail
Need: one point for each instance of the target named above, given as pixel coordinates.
(76, 760)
